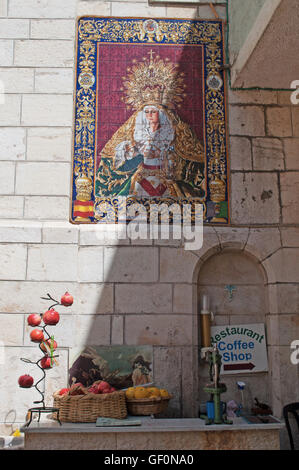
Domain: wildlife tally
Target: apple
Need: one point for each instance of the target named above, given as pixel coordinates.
(106, 390)
(67, 299)
(63, 391)
(51, 317)
(48, 343)
(112, 389)
(45, 363)
(37, 335)
(25, 381)
(34, 319)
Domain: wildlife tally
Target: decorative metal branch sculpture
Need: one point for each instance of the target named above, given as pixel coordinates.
(47, 346)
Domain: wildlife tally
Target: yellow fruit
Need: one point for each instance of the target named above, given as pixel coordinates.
(164, 393)
(153, 392)
(130, 393)
(141, 392)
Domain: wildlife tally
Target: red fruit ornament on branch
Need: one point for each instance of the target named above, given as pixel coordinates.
(25, 381)
(51, 317)
(46, 362)
(34, 319)
(47, 345)
(37, 336)
(67, 300)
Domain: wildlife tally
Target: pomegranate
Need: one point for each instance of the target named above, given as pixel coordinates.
(34, 319)
(25, 381)
(37, 335)
(51, 317)
(45, 363)
(67, 299)
(103, 386)
(48, 343)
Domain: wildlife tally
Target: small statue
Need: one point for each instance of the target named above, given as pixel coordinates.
(232, 409)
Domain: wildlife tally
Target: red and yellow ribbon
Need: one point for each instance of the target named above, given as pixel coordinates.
(83, 208)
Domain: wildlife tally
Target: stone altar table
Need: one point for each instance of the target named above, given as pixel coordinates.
(153, 434)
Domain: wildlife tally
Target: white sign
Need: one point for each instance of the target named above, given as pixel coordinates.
(242, 347)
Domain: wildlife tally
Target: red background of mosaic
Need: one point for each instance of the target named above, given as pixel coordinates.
(113, 61)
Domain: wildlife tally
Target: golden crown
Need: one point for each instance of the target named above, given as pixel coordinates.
(153, 81)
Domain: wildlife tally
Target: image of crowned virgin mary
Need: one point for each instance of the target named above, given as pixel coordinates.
(154, 153)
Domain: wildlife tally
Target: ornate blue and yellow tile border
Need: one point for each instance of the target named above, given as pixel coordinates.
(149, 117)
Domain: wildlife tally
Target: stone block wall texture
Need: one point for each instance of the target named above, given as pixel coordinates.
(133, 292)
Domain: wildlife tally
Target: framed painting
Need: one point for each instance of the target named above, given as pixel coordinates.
(150, 117)
(120, 366)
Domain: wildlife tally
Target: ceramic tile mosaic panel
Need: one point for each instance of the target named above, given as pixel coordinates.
(150, 117)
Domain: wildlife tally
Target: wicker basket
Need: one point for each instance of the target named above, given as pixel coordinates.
(147, 406)
(87, 408)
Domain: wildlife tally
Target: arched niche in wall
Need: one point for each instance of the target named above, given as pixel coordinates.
(248, 304)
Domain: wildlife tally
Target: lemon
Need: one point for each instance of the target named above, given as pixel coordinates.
(141, 392)
(153, 392)
(164, 393)
(130, 392)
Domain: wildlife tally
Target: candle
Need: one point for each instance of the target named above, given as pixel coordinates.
(205, 302)
(205, 323)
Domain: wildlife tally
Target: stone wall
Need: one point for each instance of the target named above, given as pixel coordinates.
(129, 292)
(244, 13)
